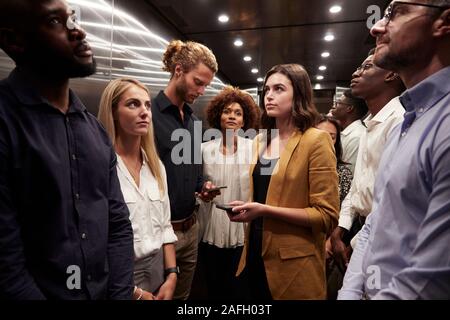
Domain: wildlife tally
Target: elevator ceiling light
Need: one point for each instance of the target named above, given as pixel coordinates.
(223, 18)
(238, 43)
(335, 9)
(329, 37)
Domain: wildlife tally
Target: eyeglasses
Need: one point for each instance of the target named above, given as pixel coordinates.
(391, 10)
(364, 67)
(336, 103)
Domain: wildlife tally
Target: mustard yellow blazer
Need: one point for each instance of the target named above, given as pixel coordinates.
(305, 177)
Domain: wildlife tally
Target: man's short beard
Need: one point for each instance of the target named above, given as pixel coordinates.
(83, 70)
(389, 62)
(181, 89)
(62, 69)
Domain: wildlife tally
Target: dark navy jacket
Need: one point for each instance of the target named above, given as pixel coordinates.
(61, 207)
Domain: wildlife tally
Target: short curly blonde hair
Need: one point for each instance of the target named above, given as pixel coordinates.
(188, 54)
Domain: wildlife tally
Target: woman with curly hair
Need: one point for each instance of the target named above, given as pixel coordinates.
(226, 162)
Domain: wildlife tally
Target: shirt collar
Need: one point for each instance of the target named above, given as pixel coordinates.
(27, 94)
(351, 127)
(164, 103)
(384, 113)
(428, 92)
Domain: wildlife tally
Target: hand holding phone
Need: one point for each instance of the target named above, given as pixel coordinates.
(216, 189)
(227, 208)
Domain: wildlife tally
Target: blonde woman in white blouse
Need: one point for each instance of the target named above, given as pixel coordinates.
(226, 162)
(125, 112)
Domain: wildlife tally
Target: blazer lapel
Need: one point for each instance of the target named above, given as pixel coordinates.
(277, 181)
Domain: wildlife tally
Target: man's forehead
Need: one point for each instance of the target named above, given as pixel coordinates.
(50, 6)
(369, 59)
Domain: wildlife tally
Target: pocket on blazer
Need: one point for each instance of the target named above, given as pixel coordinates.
(296, 252)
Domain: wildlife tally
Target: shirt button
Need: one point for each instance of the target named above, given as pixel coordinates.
(403, 133)
(89, 278)
(74, 157)
(67, 120)
(77, 196)
(83, 236)
(420, 110)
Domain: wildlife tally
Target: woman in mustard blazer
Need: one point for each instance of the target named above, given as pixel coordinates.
(294, 188)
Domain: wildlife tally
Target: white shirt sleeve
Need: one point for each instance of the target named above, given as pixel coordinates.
(353, 285)
(347, 214)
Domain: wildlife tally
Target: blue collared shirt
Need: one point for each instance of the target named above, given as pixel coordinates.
(403, 251)
(63, 221)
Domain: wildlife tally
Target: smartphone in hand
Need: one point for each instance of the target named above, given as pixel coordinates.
(227, 208)
(216, 189)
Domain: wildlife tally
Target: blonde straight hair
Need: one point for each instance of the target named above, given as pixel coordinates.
(109, 103)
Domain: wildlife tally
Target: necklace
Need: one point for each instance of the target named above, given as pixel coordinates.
(134, 169)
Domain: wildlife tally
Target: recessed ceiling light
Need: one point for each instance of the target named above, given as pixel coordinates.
(319, 77)
(322, 68)
(260, 79)
(317, 86)
(335, 9)
(254, 70)
(223, 18)
(247, 58)
(238, 43)
(329, 37)
(325, 54)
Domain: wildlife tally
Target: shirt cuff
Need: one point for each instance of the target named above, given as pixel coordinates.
(169, 236)
(345, 222)
(349, 295)
(353, 241)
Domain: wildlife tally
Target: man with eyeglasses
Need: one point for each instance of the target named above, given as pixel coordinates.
(380, 89)
(64, 227)
(349, 111)
(402, 250)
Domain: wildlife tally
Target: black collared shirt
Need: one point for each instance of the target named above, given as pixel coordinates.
(183, 165)
(61, 207)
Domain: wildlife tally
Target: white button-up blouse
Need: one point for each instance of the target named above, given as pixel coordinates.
(149, 209)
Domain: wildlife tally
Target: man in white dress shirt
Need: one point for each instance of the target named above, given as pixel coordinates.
(349, 111)
(380, 89)
(402, 250)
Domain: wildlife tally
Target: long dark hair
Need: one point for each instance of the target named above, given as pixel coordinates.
(338, 143)
(304, 112)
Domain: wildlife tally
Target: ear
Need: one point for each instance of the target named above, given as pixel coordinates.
(392, 76)
(11, 42)
(178, 70)
(441, 27)
(350, 108)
